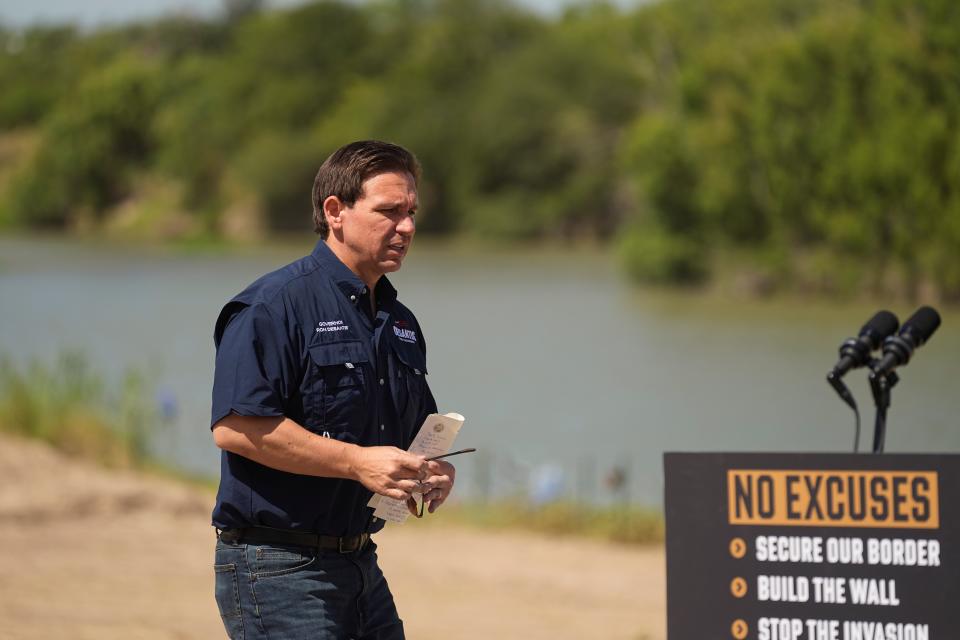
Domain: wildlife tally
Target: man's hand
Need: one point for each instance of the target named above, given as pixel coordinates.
(281, 443)
(436, 487)
(389, 471)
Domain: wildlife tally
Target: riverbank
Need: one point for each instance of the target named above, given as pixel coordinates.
(741, 275)
(107, 554)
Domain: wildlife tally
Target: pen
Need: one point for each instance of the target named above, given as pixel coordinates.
(446, 455)
(452, 453)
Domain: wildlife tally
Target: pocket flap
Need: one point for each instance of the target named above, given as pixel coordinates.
(412, 357)
(338, 353)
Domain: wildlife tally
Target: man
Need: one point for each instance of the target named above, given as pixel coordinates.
(319, 388)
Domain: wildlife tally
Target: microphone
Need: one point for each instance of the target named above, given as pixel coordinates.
(914, 333)
(855, 352)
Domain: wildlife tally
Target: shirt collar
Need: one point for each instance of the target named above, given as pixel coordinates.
(349, 282)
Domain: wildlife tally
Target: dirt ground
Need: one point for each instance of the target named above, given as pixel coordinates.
(94, 554)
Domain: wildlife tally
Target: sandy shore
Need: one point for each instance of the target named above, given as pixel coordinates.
(95, 554)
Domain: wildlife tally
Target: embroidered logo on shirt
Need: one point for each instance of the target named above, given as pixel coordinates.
(400, 330)
(331, 325)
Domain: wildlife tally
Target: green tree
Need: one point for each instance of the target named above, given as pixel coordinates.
(91, 146)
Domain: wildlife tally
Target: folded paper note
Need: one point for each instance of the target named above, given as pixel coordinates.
(435, 438)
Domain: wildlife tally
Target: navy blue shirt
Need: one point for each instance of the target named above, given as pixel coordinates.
(303, 342)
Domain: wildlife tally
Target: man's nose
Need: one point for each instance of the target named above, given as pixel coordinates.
(407, 225)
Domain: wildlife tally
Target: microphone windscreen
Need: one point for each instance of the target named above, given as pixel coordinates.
(922, 324)
(881, 325)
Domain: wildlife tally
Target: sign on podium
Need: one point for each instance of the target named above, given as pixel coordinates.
(812, 546)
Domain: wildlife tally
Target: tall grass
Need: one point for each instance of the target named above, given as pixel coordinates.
(69, 406)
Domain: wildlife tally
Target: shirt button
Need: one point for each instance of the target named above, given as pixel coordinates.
(381, 381)
(381, 427)
(354, 298)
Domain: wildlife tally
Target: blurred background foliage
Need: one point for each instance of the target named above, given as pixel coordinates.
(70, 406)
(798, 144)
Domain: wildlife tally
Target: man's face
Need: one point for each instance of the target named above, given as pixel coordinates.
(376, 231)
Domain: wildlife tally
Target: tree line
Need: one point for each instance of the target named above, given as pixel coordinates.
(811, 143)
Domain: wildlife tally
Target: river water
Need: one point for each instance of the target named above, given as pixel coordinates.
(563, 371)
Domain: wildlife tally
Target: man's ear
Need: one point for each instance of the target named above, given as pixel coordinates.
(333, 210)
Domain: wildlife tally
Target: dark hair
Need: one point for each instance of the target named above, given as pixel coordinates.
(344, 172)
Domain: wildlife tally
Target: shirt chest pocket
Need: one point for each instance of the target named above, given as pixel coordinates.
(409, 383)
(337, 387)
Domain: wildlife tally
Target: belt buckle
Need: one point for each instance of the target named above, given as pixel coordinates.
(361, 542)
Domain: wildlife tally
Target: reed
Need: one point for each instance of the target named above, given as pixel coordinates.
(70, 407)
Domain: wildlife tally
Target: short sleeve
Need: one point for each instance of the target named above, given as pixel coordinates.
(254, 365)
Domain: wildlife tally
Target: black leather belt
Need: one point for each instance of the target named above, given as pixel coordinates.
(269, 535)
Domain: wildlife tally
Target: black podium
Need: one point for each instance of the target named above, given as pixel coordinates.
(812, 546)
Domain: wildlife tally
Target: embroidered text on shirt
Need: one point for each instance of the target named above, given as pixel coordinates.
(331, 325)
(407, 335)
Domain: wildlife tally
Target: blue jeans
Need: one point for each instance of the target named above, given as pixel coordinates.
(288, 592)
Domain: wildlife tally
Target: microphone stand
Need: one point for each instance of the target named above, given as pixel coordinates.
(881, 385)
(834, 380)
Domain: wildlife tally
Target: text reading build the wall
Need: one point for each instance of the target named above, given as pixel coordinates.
(845, 499)
(816, 547)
